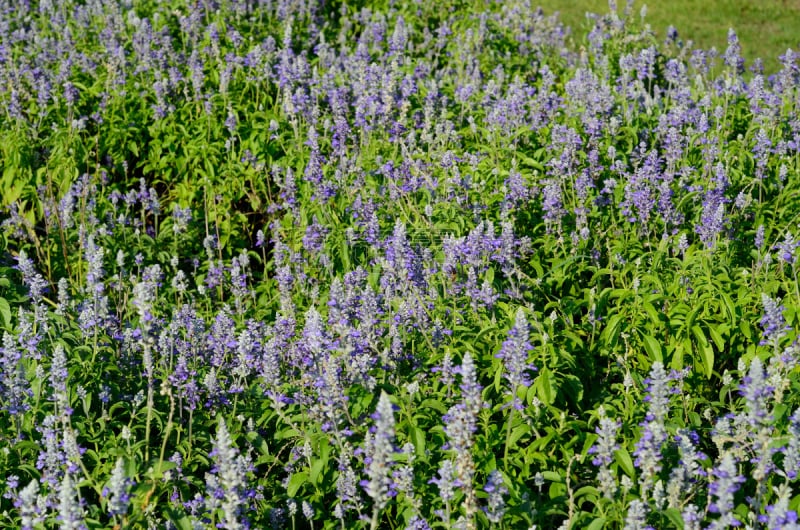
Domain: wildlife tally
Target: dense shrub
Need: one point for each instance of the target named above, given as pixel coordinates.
(392, 265)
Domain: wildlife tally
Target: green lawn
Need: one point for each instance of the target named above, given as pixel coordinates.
(766, 28)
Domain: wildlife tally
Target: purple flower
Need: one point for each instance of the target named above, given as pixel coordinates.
(604, 449)
(772, 321)
(496, 490)
(725, 482)
(759, 239)
(117, 490)
(514, 354)
(379, 448)
(791, 458)
(786, 248)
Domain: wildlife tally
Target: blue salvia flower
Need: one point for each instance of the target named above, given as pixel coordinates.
(779, 515)
(404, 476)
(14, 386)
(63, 297)
(759, 239)
(417, 523)
(725, 483)
(514, 354)
(691, 517)
(347, 483)
(712, 220)
(791, 453)
(772, 321)
(460, 425)
(470, 389)
(688, 471)
(70, 513)
(496, 491)
(58, 380)
(733, 54)
(786, 248)
(379, 450)
(446, 481)
(231, 472)
(603, 451)
(654, 432)
(636, 518)
(30, 277)
(31, 506)
(117, 491)
(756, 391)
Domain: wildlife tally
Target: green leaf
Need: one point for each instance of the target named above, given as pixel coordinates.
(178, 519)
(418, 439)
(653, 348)
(719, 342)
(258, 442)
(297, 480)
(552, 476)
(597, 524)
(316, 469)
(545, 388)
(5, 313)
(623, 458)
(611, 332)
(675, 517)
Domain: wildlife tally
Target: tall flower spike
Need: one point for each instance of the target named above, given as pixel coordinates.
(496, 490)
(515, 358)
(380, 485)
(604, 453)
(231, 475)
(70, 514)
(773, 322)
(725, 483)
(117, 490)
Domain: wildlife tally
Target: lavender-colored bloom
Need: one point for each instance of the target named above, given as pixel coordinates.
(470, 389)
(691, 517)
(417, 523)
(552, 203)
(604, 449)
(496, 490)
(180, 219)
(230, 472)
(515, 357)
(756, 391)
(791, 458)
(759, 239)
(379, 448)
(786, 248)
(30, 506)
(347, 483)
(636, 518)
(117, 491)
(772, 321)
(779, 515)
(15, 389)
(308, 510)
(725, 483)
(688, 471)
(733, 54)
(70, 513)
(654, 432)
(446, 481)
(58, 380)
(712, 220)
(30, 277)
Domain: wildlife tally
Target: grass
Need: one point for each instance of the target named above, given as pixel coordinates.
(766, 28)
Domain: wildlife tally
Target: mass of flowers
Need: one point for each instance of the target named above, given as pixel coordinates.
(396, 264)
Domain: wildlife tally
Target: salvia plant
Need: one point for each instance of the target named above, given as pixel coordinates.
(407, 265)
